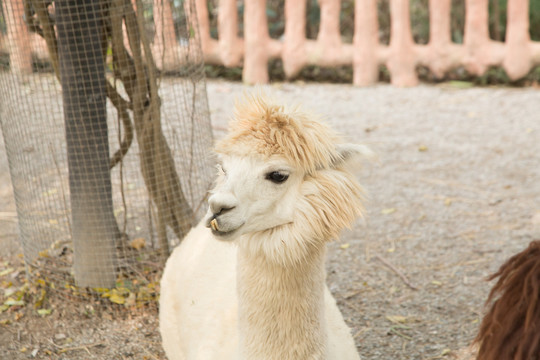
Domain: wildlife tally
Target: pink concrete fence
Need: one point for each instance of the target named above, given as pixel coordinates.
(477, 53)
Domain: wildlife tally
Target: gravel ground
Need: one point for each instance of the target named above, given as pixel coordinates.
(455, 192)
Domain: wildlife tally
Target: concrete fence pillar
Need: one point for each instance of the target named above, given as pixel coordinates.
(442, 54)
(294, 45)
(329, 37)
(480, 53)
(208, 45)
(402, 57)
(517, 58)
(258, 47)
(18, 38)
(230, 45)
(365, 43)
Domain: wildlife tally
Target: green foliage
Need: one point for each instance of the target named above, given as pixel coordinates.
(313, 19)
(534, 19)
(3, 29)
(493, 76)
(419, 12)
(457, 21)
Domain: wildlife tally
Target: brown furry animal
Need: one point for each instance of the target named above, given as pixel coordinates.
(511, 328)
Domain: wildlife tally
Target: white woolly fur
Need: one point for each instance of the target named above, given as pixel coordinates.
(253, 287)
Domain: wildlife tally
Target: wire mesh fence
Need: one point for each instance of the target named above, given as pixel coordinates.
(107, 137)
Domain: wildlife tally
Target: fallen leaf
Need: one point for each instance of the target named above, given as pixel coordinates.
(396, 319)
(6, 271)
(435, 282)
(40, 299)
(44, 312)
(101, 290)
(138, 243)
(144, 295)
(394, 330)
(345, 246)
(117, 299)
(447, 201)
(122, 291)
(388, 211)
(117, 295)
(13, 302)
(446, 352)
(422, 148)
(461, 84)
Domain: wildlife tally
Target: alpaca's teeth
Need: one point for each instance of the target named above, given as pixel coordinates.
(214, 225)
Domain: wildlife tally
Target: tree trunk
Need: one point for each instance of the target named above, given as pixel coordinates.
(82, 74)
(138, 75)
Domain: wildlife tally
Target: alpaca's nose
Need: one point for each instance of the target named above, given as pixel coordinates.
(220, 204)
(223, 210)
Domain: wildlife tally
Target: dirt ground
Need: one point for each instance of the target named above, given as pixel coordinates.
(455, 192)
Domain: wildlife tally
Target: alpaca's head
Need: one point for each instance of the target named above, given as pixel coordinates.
(278, 165)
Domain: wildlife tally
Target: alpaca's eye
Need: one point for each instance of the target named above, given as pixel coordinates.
(277, 177)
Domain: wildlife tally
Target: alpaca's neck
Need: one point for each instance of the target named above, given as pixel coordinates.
(281, 309)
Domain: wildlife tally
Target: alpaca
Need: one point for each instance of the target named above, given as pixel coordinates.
(510, 329)
(249, 281)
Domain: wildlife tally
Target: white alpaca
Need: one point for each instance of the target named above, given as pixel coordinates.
(282, 193)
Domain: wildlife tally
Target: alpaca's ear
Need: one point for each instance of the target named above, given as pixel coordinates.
(352, 154)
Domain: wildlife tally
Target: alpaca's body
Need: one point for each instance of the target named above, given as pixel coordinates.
(199, 284)
(200, 280)
(510, 329)
(253, 287)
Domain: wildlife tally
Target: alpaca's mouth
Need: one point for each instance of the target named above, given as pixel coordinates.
(218, 230)
(223, 234)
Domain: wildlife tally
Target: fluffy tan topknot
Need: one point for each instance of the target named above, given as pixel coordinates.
(268, 129)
